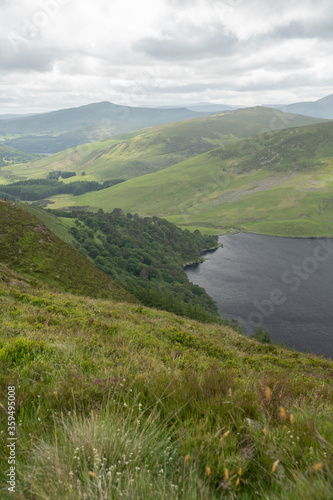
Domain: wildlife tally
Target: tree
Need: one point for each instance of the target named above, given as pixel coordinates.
(262, 336)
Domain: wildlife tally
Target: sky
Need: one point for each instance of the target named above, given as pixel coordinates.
(62, 53)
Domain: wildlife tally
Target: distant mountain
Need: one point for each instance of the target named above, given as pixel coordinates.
(155, 148)
(12, 116)
(66, 128)
(204, 107)
(323, 108)
(207, 107)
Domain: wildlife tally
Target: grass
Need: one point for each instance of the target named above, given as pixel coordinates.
(116, 400)
(28, 246)
(58, 225)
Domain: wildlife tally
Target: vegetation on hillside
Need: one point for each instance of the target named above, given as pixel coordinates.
(29, 247)
(9, 156)
(146, 256)
(277, 183)
(121, 401)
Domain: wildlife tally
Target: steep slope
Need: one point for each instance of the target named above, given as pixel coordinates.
(323, 108)
(278, 183)
(156, 148)
(28, 246)
(65, 128)
(121, 401)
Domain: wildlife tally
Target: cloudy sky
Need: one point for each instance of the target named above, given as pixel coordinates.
(62, 53)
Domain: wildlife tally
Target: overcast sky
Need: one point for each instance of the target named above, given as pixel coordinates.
(62, 53)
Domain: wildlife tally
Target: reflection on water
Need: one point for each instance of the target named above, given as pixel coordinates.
(282, 284)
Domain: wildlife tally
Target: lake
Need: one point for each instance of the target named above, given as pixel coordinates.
(284, 285)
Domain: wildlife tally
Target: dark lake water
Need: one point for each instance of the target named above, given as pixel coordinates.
(284, 285)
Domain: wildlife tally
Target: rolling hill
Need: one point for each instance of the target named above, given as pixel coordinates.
(66, 128)
(156, 148)
(276, 183)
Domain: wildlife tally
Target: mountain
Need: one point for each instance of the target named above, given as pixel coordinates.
(12, 116)
(29, 247)
(62, 129)
(204, 107)
(152, 149)
(276, 183)
(117, 400)
(323, 108)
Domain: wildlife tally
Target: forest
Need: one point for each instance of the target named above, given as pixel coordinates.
(39, 189)
(146, 256)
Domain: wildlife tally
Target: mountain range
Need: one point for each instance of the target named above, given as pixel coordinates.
(56, 131)
(62, 129)
(155, 148)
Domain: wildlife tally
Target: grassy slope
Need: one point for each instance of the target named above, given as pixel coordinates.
(156, 148)
(281, 184)
(28, 246)
(117, 400)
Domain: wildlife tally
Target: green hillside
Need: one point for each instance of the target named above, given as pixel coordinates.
(135, 154)
(66, 128)
(278, 183)
(28, 246)
(9, 156)
(115, 400)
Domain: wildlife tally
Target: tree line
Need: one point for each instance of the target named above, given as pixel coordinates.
(39, 189)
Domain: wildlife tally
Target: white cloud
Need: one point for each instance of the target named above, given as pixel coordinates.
(57, 53)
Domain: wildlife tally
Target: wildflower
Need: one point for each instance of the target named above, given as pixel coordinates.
(318, 467)
(268, 394)
(283, 414)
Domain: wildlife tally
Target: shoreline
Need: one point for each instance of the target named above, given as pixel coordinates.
(202, 252)
(278, 236)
